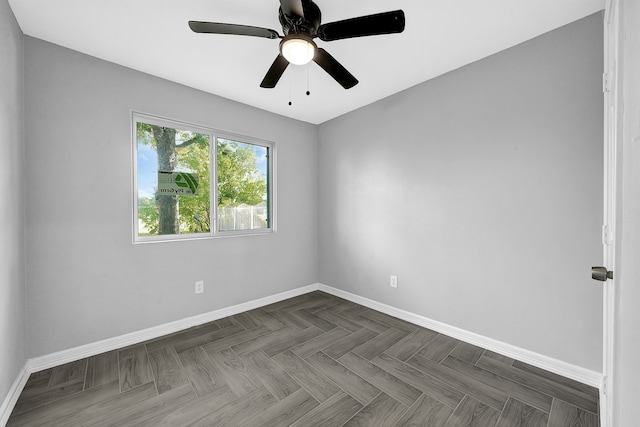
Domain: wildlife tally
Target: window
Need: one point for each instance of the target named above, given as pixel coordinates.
(193, 182)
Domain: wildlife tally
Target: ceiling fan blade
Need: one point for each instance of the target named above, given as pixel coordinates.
(275, 72)
(370, 25)
(334, 68)
(292, 8)
(240, 30)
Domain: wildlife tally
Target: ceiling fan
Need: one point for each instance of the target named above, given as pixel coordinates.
(300, 21)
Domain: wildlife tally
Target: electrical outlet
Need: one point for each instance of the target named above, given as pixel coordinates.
(393, 282)
(199, 286)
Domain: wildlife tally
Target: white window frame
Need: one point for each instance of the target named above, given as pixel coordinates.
(214, 135)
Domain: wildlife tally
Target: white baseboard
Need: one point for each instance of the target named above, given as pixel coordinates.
(36, 364)
(12, 397)
(44, 362)
(577, 373)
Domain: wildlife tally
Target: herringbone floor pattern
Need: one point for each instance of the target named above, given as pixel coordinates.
(313, 360)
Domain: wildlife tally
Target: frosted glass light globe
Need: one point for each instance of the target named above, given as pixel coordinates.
(298, 51)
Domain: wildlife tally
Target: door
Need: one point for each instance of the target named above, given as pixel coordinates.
(611, 132)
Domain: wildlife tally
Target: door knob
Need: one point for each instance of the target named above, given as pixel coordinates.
(601, 274)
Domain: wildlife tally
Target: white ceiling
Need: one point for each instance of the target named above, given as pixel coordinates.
(152, 36)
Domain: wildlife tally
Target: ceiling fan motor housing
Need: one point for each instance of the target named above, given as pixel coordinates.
(307, 24)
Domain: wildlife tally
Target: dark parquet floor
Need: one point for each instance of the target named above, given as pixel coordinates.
(313, 360)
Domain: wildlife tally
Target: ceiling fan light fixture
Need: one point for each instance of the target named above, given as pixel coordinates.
(298, 49)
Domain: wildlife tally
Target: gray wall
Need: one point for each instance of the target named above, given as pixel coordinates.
(627, 270)
(482, 191)
(12, 163)
(86, 280)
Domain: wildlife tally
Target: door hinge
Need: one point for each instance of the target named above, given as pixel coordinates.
(605, 386)
(606, 235)
(605, 82)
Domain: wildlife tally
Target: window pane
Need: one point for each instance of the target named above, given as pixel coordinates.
(243, 198)
(173, 180)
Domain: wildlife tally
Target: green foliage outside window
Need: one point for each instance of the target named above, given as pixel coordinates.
(241, 183)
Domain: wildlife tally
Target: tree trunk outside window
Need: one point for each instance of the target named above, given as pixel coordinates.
(167, 162)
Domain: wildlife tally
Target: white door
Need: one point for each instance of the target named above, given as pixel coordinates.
(611, 133)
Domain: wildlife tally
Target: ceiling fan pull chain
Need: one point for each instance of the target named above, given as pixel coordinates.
(308, 93)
